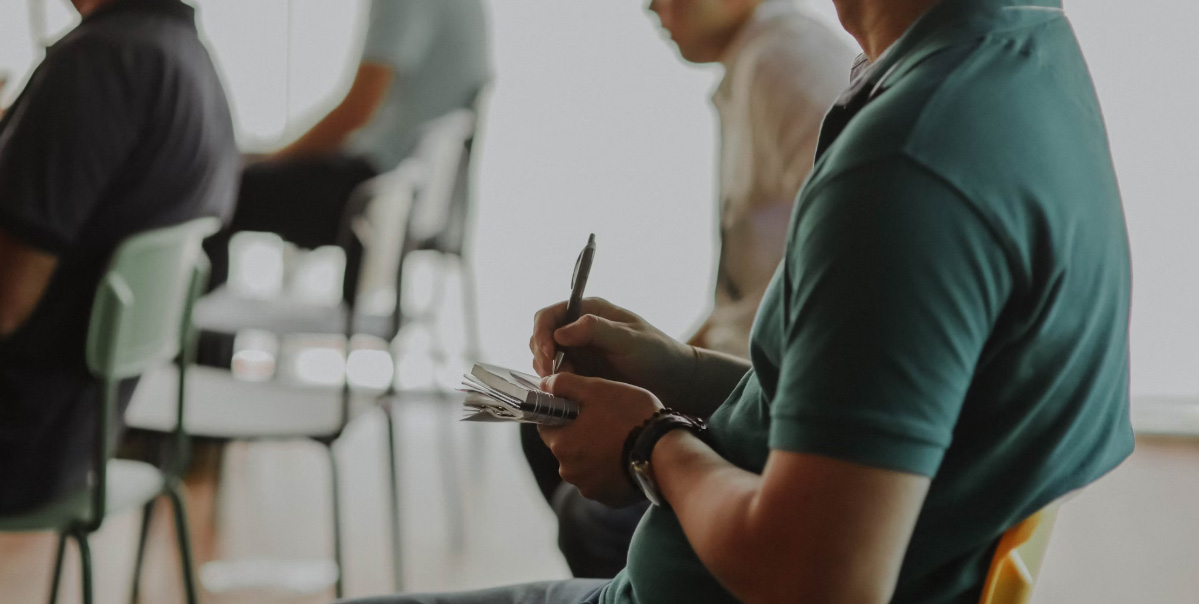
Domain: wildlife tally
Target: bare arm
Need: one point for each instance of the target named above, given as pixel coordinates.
(366, 94)
(24, 274)
(809, 529)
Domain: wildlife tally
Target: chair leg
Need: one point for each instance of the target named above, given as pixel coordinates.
(456, 513)
(338, 589)
(62, 548)
(85, 560)
(397, 552)
(186, 563)
(147, 515)
(470, 310)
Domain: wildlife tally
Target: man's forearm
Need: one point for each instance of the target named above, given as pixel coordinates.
(24, 275)
(330, 134)
(712, 379)
(808, 529)
(714, 502)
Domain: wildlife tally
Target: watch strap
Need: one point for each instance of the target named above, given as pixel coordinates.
(639, 447)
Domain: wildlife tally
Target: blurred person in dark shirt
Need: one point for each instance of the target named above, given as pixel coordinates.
(124, 127)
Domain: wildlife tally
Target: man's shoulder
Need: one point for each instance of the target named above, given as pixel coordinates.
(129, 34)
(980, 104)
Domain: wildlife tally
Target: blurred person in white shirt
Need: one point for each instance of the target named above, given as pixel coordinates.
(784, 67)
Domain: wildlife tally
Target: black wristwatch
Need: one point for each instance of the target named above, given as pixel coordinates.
(639, 448)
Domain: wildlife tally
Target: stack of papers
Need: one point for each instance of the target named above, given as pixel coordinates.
(495, 394)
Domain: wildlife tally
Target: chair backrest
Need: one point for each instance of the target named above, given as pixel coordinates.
(140, 321)
(137, 316)
(1017, 561)
(406, 208)
(448, 156)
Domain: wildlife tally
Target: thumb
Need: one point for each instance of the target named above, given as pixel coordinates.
(572, 386)
(594, 331)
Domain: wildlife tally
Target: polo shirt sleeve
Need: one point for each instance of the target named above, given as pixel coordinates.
(893, 284)
(401, 33)
(63, 141)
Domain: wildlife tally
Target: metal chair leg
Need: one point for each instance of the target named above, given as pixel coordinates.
(397, 551)
(186, 563)
(85, 559)
(338, 588)
(147, 515)
(62, 548)
(470, 310)
(449, 474)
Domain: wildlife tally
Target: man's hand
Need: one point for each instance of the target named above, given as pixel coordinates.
(612, 343)
(589, 449)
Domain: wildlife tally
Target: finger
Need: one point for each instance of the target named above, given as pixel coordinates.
(594, 331)
(608, 310)
(542, 342)
(572, 386)
(548, 433)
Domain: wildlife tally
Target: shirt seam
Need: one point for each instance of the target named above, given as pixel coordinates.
(1009, 249)
(839, 421)
(31, 233)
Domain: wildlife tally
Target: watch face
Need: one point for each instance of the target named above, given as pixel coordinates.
(645, 479)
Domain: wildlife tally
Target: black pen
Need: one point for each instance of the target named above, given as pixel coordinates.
(574, 306)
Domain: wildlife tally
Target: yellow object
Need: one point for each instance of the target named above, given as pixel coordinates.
(1017, 561)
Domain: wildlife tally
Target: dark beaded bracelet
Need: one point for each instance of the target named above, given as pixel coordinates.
(626, 455)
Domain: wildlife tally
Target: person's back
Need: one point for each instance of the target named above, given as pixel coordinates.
(438, 53)
(124, 127)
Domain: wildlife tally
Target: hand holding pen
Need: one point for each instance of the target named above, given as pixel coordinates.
(578, 283)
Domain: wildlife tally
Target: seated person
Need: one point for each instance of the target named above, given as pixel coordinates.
(783, 69)
(942, 352)
(421, 60)
(124, 127)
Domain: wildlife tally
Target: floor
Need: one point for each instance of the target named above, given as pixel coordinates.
(1131, 538)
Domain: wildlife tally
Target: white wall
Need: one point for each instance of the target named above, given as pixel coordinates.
(1140, 56)
(596, 126)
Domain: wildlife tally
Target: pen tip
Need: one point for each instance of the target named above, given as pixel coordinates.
(591, 239)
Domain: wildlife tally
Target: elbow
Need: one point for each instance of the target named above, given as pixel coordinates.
(767, 567)
(800, 586)
(9, 323)
(791, 593)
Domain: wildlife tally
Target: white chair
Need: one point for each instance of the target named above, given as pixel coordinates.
(421, 205)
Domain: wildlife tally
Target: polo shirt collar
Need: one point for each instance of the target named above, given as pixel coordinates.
(168, 8)
(945, 24)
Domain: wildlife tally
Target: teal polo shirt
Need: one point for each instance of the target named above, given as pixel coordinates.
(953, 301)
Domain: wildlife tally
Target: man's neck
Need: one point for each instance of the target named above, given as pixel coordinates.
(734, 29)
(87, 7)
(877, 24)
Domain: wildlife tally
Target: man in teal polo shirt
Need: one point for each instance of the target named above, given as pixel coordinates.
(943, 350)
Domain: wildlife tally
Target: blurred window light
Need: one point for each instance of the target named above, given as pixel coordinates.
(254, 355)
(315, 276)
(256, 264)
(370, 369)
(319, 366)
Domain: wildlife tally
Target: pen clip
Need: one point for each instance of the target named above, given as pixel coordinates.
(574, 277)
